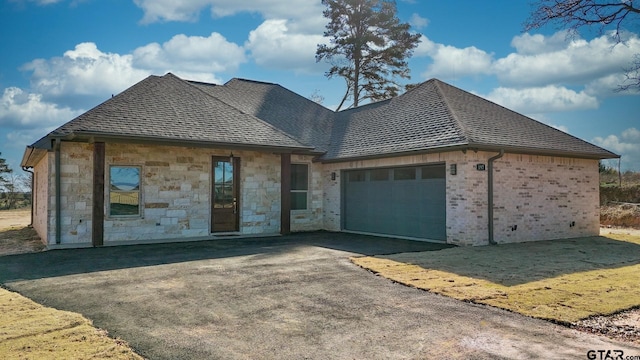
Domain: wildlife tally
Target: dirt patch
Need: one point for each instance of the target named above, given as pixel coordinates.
(13, 219)
(16, 236)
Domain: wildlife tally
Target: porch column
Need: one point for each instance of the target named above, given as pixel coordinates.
(285, 194)
(97, 212)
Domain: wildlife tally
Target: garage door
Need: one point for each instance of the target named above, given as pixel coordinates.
(403, 201)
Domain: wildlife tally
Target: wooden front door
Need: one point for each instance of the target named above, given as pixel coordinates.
(225, 200)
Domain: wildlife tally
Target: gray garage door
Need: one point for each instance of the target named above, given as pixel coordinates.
(404, 201)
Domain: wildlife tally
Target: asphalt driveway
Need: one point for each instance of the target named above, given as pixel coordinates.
(294, 297)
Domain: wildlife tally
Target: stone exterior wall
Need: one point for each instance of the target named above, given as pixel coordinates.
(536, 197)
(175, 193)
(76, 180)
(260, 193)
(310, 219)
(41, 193)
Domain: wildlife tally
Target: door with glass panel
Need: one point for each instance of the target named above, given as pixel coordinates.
(224, 199)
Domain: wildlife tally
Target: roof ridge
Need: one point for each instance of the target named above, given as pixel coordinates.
(240, 111)
(250, 81)
(454, 115)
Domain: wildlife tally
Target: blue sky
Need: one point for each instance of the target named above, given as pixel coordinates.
(60, 58)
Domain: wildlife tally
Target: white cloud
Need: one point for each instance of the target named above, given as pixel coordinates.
(418, 21)
(450, 62)
(627, 145)
(212, 54)
(309, 13)
(273, 45)
(549, 98)
(21, 109)
(527, 44)
(84, 71)
(543, 60)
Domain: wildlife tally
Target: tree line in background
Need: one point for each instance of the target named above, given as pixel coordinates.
(15, 189)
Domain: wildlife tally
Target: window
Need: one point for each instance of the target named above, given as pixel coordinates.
(357, 176)
(299, 186)
(404, 174)
(433, 172)
(379, 175)
(124, 191)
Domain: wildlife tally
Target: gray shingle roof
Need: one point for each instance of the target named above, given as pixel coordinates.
(169, 108)
(436, 115)
(433, 116)
(299, 117)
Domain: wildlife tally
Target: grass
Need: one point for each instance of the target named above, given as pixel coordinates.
(29, 330)
(561, 280)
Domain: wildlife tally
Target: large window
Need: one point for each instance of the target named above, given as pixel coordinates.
(124, 191)
(299, 186)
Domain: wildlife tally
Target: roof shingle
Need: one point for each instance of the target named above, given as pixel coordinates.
(170, 108)
(433, 116)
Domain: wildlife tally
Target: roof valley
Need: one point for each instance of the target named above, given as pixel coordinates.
(433, 116)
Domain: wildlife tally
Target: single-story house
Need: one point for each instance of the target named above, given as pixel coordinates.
(170, 160)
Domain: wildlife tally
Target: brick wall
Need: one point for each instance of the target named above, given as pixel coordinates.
(331, 188)
(536, 197)
(543, 198)
(541, 195)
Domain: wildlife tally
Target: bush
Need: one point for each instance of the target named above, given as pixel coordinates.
(624, 194)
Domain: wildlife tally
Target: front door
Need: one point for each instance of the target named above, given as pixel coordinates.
(224, 204)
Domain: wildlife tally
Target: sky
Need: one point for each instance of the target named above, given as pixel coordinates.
(60, 58)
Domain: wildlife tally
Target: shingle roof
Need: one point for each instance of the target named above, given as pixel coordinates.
(436, 115)
(169, 108)
(299, 117)
(433, 116)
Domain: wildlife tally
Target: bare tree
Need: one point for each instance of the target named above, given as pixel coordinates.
(574, 15)
(316, 97)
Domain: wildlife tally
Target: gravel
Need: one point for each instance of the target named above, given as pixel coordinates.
(624, 326)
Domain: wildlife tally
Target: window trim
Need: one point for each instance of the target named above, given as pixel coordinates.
(301, 191)
(139, 215)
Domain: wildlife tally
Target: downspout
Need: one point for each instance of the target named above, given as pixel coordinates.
(58, 191)
(490, 195)
(25, 168)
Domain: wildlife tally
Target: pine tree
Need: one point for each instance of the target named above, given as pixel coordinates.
(369, 48)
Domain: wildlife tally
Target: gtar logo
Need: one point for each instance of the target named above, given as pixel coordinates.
(605, 355)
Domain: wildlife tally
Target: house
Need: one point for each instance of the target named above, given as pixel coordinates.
(170, 159)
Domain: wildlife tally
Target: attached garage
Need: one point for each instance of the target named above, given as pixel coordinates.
(400, 201)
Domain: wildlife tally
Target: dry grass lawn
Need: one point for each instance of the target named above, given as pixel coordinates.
(560, 280)
(31, 331)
